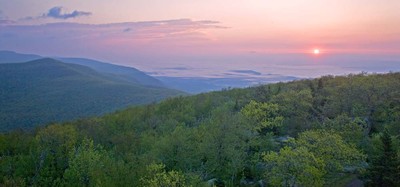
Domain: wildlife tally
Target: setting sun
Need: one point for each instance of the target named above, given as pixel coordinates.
(316, 51)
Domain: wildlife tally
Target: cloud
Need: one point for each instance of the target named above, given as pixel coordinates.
(4, 19)
(165, 36)
(127, 30)
(6, 22)
(58, 13)
(178, 68)
(249, 72)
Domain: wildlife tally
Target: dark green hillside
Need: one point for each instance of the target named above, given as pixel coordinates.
(46, 90)
(121, 72)
(330, 131)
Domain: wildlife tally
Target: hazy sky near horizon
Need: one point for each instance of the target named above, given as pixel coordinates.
(126, 31)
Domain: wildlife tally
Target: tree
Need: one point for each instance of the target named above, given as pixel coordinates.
(384, 168)
(295, 107)
(265, 116)
(17, 158)
(330, 147)
(177, 149)
(294, 167)
(91, 165)
(54, 143)
(352, 130)
(156, 176)
(320, 154)
(223, 145)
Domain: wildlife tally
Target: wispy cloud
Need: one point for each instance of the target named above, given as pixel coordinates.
(59, 13)
(121, 38)
(248, 72)
(4, 20)
(147, 30)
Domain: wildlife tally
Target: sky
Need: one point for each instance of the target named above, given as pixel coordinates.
(167, 36)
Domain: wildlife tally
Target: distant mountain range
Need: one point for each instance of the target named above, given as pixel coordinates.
(190, 84)
(12, 57)
(46, 90)
(124, 73)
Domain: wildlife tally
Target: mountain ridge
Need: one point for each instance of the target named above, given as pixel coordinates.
(13, 57)
(124, 73)
(119, 72)
(47, 90)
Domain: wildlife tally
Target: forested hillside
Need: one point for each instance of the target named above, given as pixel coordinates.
(128, 74)
(122, 73)
(321, 132)
(46, 90)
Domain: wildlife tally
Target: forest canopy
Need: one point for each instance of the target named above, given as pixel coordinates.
(320, 132)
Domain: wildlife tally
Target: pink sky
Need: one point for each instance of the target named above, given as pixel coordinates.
(131, 30)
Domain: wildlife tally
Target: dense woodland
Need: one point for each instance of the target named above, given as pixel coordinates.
(46, 90)
(320, 132)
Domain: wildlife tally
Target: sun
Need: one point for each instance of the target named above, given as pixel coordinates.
(316, 51)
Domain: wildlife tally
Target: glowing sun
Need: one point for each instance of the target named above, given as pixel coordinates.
(316, 51)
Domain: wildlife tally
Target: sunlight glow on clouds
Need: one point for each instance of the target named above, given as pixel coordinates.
(128, 37)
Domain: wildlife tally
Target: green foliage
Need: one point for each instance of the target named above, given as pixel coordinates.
(156, 176)
(57, 137)
(265, 115)
(314, 157)
(294, 167)
(303, 133)
(84, 162)
(223, 147)
(91, 165)
(332, 149)
(178, 149)
(384, 169)
(46, 91)
(351, 130)
(54, 143)
(296, 107)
